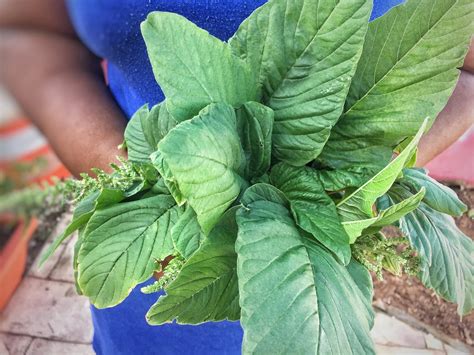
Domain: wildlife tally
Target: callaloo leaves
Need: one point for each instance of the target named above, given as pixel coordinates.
(303, 54)
(207, 161)
(206, 288)
(268, 220)
(224, 148)
(406, 73)
(121, 245)
(294, 295)
(359, 204)
(299, 56)
(193, 68)
(313, 210)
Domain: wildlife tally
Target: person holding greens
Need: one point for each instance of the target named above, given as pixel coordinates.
(51, 53)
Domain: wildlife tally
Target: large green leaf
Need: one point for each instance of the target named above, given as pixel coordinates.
(359, 205)
(295, 297)
(277, 288)
(82, 214)
(345, 319)
(121, 245)
(447, 255)
(312, 208)
(255, 128)
(304, 53)
(206, 288)
(206, 160)
(438, 196)
(194, 68)
(407, 72)
(186, 233)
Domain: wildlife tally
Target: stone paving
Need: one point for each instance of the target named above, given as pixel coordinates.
(47, 317)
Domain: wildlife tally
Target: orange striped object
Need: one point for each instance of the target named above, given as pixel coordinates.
(21, 144)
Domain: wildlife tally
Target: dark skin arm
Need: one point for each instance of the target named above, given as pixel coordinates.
(456, 118)
(58, 83)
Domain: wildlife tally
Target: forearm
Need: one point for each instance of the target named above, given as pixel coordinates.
(456, 118)
(50, 15)
(58, 84)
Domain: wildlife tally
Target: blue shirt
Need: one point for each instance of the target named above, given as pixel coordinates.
(111, 29)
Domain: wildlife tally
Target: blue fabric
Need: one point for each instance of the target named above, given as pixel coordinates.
(124, 330)
(111, 29)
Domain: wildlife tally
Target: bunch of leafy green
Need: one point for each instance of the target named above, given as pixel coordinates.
(269, 173)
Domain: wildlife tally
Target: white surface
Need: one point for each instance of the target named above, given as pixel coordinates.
(8, 108)
(20, 143)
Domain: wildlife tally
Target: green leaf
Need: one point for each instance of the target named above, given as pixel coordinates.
(138, 148)
(157, 124)
(304, 53)
(397, 211)
(75, 265)
(336, 180)
(82, 213)
(400, 147)
(194, 68)
(447, 255)
(346, 319)
(438, 196)
(166, 122)
(363, 280)
(312, 208)
(186, 233)
(149, 124)
(407, 72)
(206, 160)
(359, 205)
(164, 241)
(255, 128)
(160, 188)
(294, 295)
(121, 245)
(206, 288)
(144, 131)
(169, 181)
(355, 228)
(276, 283)
(264, 191)
(386, 217)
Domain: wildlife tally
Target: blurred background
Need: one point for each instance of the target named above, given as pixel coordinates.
(40, 312)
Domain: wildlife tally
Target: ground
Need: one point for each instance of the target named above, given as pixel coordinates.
(45, 315)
